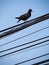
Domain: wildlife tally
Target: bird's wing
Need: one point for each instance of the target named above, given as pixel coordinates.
(24, 16)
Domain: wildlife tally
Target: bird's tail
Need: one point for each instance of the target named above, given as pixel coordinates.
(16, 17)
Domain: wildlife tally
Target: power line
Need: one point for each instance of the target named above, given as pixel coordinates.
(32, 59)
(40, 46)
(24, 44)
(17, 25)
(11, 27)
(25, 25)
(47, 60)
(24, 48)
(24, 36)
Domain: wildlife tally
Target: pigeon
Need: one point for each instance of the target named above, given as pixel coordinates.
(24, 16)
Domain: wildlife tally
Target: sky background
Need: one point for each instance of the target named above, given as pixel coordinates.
(9, 9)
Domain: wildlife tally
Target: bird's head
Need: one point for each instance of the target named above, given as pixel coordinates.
(30, 10)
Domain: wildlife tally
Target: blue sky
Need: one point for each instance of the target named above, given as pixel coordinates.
(9, 9)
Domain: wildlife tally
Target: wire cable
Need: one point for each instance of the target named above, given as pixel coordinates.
(46, 16)
(40, 46)
(37, 47)
(32, 59)
(11, 27)
(41, 62)
(24, 36)
(24, 44)
(25, 25)
(24, 48)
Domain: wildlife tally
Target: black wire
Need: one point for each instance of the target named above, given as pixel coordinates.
(41, 17)
(41, 62)
(24, 36)
(32, 59)
(24, 44)
(37, 47)
(24, 48)
(11, 27)
(25, 25)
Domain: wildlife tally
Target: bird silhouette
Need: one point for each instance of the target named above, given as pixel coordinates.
(24, 16)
